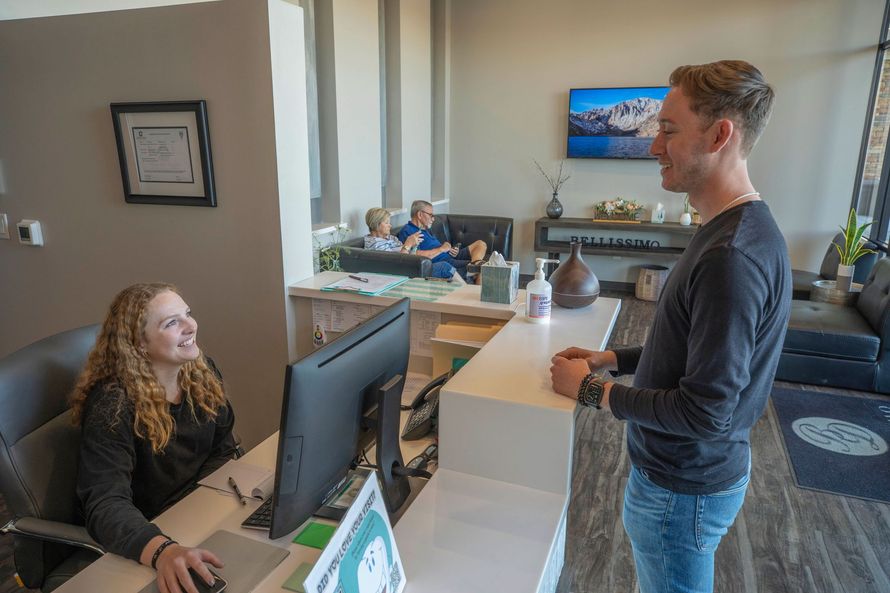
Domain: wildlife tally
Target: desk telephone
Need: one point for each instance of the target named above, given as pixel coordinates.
(425, 410)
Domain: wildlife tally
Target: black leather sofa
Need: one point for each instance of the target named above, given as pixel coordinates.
(496, 231)
(840, 346)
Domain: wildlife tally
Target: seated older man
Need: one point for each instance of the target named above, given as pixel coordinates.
(380, 239)
(422, 218)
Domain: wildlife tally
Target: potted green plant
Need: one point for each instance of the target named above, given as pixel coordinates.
(327, 253)
(852, 249)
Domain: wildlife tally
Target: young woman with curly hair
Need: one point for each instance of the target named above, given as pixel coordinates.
(154, 421)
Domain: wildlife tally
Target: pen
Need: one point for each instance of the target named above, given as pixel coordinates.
(237, 490)
(359, 278)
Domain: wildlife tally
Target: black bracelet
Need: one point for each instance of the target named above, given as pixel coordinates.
(584, 383)
(157, 554)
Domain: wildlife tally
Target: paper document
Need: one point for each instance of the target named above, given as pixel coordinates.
(345, 316)
(252, 480)
(423, 327)
(365, 283)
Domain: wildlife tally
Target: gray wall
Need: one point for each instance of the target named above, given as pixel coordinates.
(513, 62)
(58, 76)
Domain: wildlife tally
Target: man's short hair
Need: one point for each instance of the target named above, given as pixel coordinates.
(418, 205)
(375, 217)
(732, 89)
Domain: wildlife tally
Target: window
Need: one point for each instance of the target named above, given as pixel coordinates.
(871, 197)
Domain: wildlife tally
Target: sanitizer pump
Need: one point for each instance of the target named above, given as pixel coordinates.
(537, 294)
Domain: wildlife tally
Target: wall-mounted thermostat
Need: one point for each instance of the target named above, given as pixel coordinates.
(30, 232)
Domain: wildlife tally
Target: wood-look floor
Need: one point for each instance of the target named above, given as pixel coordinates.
(785, 539)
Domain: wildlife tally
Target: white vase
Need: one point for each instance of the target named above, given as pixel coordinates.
(685, 219)
(844, 277)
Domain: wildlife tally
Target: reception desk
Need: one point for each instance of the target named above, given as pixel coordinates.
(493, 516)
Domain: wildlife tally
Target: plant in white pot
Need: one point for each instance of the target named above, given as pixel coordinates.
(852, 249)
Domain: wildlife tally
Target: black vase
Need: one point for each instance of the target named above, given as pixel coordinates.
(554, 208)
(574, 285)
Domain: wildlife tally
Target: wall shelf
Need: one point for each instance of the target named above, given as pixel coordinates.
(555, 247)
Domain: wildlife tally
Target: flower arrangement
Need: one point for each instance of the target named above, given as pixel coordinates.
(555, 181)
(327, 253)
(617, 209)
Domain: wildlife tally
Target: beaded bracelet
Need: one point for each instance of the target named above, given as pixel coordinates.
(157, 554)
(585, 382)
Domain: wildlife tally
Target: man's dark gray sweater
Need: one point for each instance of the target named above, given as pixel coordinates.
(704, 376)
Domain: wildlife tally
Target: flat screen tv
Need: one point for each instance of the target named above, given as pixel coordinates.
(617, 123)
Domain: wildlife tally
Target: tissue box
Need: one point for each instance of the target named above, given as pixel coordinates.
(500, 284)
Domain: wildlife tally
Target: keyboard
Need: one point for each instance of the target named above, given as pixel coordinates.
(261, 518)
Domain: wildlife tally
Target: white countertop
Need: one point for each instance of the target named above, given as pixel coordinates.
(483, 526)
(463, 301)
(493, 372)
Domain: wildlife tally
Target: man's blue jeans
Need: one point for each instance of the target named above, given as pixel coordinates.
(674, 536)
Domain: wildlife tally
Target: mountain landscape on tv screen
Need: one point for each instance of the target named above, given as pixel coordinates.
(635, 117)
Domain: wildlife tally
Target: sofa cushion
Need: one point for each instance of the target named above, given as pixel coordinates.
(835, 331)
(874, 301)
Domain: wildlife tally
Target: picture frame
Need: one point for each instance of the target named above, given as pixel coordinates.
(164, 152)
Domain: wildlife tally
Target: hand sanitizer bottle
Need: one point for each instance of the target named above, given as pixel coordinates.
(537, 294)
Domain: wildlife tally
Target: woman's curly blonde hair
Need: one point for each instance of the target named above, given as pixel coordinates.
(117, 358)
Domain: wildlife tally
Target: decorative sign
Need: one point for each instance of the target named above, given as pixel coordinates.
(362, 557)
(626, 237)
(626, 243)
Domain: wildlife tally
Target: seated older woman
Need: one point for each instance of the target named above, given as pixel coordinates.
(380, 239)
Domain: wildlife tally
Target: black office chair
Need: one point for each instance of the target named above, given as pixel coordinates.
(38, 458)
(802, 280)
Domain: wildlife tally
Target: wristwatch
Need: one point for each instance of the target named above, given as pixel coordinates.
(590, 393)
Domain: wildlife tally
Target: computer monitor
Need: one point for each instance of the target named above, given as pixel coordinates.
(337, 400)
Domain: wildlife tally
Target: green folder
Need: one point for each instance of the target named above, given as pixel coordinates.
(315, 535)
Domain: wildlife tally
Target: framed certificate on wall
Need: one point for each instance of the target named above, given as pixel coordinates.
(164, 152)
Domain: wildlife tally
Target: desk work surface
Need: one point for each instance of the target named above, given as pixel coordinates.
(204, 511)
(465, 300)
(498, 534)
(492, 372)
(476, 529)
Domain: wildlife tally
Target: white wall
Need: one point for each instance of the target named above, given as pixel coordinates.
(513, 62)
(441, 139)
(357, 80)
(59, 75)
(23, 9)
(415, 63)
(288, 62)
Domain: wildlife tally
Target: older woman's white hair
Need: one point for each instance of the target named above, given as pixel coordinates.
(375, 217)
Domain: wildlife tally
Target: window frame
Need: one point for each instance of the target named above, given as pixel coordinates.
(882, 197)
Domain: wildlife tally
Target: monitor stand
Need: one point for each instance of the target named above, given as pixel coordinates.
(395, 488)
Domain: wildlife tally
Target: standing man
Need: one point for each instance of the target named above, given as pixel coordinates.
(703, 378)
(422, 218)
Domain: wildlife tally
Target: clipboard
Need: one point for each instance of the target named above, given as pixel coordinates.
(365, 283)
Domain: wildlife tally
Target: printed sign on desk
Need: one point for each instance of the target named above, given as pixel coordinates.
(362, 556)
